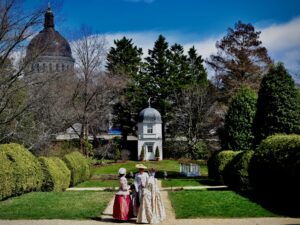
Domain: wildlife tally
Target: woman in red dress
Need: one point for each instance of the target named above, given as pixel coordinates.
(122, 205)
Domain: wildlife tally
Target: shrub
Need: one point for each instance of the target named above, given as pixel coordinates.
(275, 167)
(200, 150)
(79, 167)
(236, 171)
(277, 105)
(20, 171)
(57, 176)
(217, 163)
(237, 134)
(157, 155)
(125, 154)
(142, 155)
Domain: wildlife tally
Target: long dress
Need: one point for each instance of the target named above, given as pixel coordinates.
(122, 205)
(151, 209)
(140, 181)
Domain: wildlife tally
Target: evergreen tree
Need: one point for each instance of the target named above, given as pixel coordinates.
(277, 105)
(241, 60)
(196, 68)
(238, 133)
(125, 60)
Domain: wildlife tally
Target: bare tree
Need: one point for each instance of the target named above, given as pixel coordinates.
(95, 90)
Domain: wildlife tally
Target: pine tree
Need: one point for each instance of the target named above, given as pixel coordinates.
(125, 60)
(238, 133)
(277, 105)
(241, 60)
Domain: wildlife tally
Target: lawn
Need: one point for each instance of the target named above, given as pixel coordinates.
(215, 203)
(99, 183)
(51, 205)
(183, 182)
(171, 166)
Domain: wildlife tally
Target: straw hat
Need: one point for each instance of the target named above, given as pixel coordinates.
(140, 166)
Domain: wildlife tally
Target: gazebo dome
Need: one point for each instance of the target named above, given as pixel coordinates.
(49, 42)
(149, 115)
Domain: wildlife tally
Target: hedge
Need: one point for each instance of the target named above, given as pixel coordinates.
(20, 171)
(57, 176)
(275, 167)
(236, 173)
(79, 167)
(217, 163)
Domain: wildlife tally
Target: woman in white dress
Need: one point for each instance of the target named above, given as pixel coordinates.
(151, 209)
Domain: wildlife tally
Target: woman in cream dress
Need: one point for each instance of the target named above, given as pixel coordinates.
(151, 209)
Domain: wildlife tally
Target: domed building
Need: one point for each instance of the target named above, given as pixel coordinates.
(49, 50)
(150, 134)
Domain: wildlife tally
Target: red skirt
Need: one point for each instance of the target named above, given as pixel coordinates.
(122, 207)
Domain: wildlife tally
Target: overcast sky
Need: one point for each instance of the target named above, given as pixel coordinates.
(188, 22)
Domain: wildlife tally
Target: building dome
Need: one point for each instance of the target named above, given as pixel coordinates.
(51, 50)
(149, 115)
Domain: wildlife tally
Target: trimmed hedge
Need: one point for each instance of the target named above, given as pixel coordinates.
(57, 176)
(79, 167)
(275, 167)
(217, 162)
(20, 171)
(236, 171)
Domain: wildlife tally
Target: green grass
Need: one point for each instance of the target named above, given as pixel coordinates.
(171, 166)
(220, 204)
(183, 182)
(99, 183)
(51, 205)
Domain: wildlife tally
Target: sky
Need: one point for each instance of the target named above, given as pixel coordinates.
(188, 22)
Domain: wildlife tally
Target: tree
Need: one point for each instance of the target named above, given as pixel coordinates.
(125, 60)
(278, 108)
(241, 60)
(16, 26)
(94, 89)
(238, 134)
(195, 111)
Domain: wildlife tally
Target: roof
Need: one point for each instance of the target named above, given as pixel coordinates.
(149, 115)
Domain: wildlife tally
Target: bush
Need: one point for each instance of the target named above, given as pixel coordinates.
(237, 134)
(57, 176)
(278, 108)
(217, 163)
(142, 155)
(200, 150)
(275, 167)
(157, 154)
(79, 167)
(236, 172)
(20, 171)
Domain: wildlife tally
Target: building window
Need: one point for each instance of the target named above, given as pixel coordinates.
(50, 67)
(149, 129)
(37, 67)
(67, 67)
(150, 148)
(44, 67)
(57, 67)
(63, 67)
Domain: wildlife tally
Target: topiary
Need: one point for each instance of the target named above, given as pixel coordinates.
(57, 176)
(275, 167)
(142, 155)
(24, 173)
(79, 167)
(237, 134)
(157, 154)
(236, 171)
(278, 108)
(217, 162)
(200, 150)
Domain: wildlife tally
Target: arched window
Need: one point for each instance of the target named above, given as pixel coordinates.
(38, 67)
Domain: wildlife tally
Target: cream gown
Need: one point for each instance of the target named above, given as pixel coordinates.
(151, 209)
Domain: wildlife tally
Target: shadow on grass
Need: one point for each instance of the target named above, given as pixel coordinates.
(283, 204)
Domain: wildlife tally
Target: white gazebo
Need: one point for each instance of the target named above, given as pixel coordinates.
(149, 133)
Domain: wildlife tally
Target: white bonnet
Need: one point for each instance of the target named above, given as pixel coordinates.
(122, 171)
